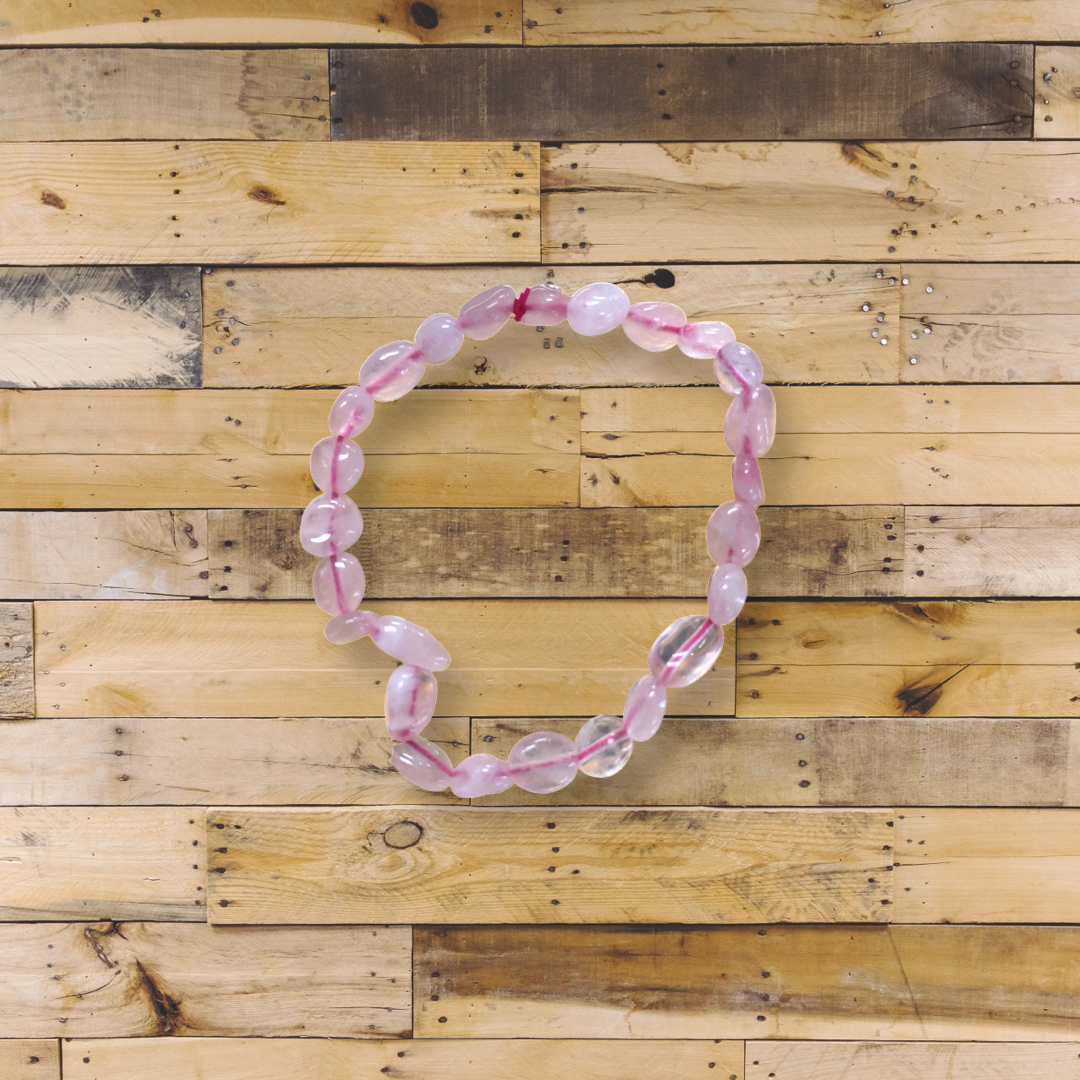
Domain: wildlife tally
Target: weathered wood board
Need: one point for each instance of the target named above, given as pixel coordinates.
(499, 866)
(16, 661)
(1057, 103)
(39, 1059)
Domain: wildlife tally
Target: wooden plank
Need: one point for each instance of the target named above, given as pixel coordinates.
(881, 761)
(273, 22)
(16, 661)
(791, 1060)
(579, 22)
(987, 983)
(146, 761)
(951, 201)
(54, 94)
(1057, 92)
(437, 1059)
(642, 93)
(123, 980)
(100, 326)
(1000, 866)
(200, 658)
(806, 321)
(272, 202)
(492, 866)
(115, 863)
(990, 289)
(39, 1059)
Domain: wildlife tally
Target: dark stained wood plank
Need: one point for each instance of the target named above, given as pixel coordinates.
(16, 661)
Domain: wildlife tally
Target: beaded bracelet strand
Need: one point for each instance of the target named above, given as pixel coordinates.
(544, 761)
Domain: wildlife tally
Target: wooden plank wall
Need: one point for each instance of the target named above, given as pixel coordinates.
(854, 849)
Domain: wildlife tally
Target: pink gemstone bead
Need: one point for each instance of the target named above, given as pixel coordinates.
(392, 371)
(597, 308)
(484, 315)
(542, 305)
(733, 534)
(737, 364)
(439, 338)
(479, 775)
(703, 340)
(330, 525)
(338, 584)
(750, 424)
(746, 480)
(417, 766)
(352, 412)
(685, 651)
(336, 465)
(345, 628)
(409, 643)
(727, 593)
(537, 751)
(654, 325)
(644, 711)
(410, 701)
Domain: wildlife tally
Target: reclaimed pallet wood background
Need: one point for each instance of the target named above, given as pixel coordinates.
(853, 850)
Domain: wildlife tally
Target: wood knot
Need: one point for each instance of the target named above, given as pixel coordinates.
(261, 193)
(50, 198)
(424, 15)
(403, 834)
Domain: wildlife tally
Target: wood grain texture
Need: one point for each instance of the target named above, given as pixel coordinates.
(1057, 92)
(951, 201)
(100, 326)
(200, 658)
(499, 866)
(273, 202)
(427, 1059)
(807, 321)
(119, 863)
(56, 94)
(986, 983)
(16, 661)
(34, 1059)
(125, 980)
(268, 22)
(641, 93)
(197, 761)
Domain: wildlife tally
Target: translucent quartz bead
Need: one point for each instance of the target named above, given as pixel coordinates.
(654, 325)
(392, 371)
(352, 412)
(746, 480)
(336, 465)
(410, 701)
(537, 750)
(415, 766)
(597, 308)
(542, 305)
(727, 593)
(409, 643)
(609, 760)
(644, 710)
(343, 593)
(685, 651)
(750, 424)
(330, 525)
(733, 533)
(484, 315)
(703, 340)
(439, 338)
(479, 775)
(345, 628)
(745, 363)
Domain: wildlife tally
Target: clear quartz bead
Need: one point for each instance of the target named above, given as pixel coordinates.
(597, 308)
(644, 709)
(727, 593)
(330, 525)
(484, 315)
(654, 325)
(733, 533)
(339, 583)
(410, 701)
(418, 767)
(737, 364)
(544, 305)
(750, 423)
(409, 643)
(392, 371)
(351, 412)
(439, 338)
(609, 760)
(537, 751)
(685, 651)
(746, 480)
(703, 340)
(336, 465)
(480, 775)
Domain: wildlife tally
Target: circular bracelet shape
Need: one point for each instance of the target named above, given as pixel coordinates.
(544, 761)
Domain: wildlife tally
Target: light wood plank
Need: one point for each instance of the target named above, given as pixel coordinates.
(990, 289)
(986, 983)
(1057, 92)
(117, 980)
(200, 658)
(37, 1059)
(427, 1059)
(810, 201)
(806, 321)
(55, 94)
(146, 761)
(115, 863)
(16, 661)
(273, 202)
(499, 866)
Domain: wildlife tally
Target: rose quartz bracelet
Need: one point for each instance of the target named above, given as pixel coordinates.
(544, 761)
